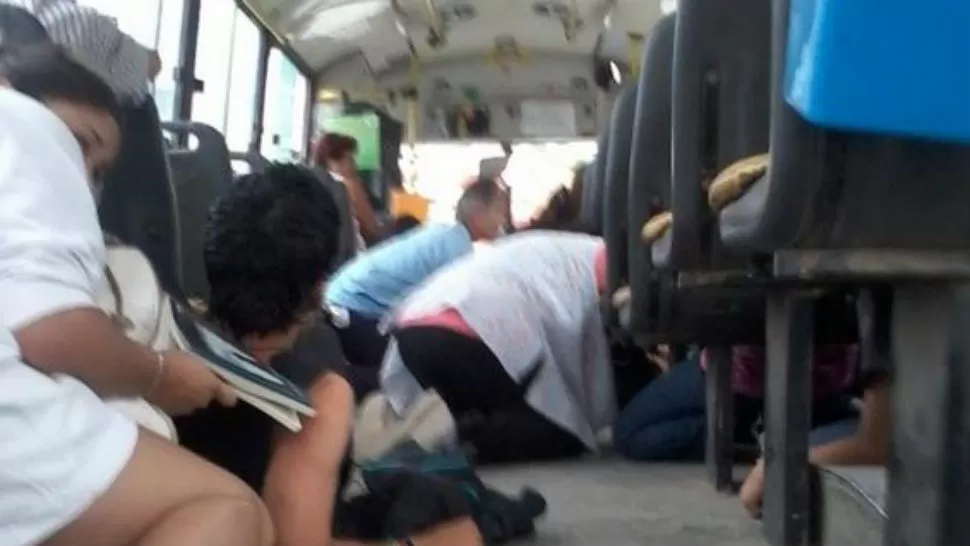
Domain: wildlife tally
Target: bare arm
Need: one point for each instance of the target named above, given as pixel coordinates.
(302, 480)
(363, 210)
(86, 344)
(868, 446)
(870, 443)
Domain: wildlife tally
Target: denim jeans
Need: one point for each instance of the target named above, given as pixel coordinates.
(666, 420)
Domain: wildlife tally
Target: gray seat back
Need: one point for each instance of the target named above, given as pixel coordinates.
(615, 189)
(348, 236)
(138, 201)
(256, 162)
(200, 175)
(721, 99)
(829, 189)
(591, 209)
(649, 181)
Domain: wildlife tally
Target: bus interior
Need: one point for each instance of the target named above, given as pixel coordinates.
(859, 189)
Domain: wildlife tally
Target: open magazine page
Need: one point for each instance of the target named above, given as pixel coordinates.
(258, 385)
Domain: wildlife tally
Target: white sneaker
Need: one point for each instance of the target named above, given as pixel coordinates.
(378, 429)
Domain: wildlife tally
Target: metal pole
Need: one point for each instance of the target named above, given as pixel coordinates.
(185, 82)
(259, 100)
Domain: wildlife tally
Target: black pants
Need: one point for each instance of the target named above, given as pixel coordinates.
(488, 405)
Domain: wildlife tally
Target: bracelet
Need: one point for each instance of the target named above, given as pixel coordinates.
(159, 371)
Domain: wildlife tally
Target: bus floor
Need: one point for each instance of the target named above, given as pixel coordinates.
(610, 502)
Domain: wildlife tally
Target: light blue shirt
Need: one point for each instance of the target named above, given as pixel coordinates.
(373, 282)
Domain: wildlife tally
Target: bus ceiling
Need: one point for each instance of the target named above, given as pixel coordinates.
(432, 62)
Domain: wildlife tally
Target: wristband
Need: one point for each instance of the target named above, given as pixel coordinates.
(159, 371)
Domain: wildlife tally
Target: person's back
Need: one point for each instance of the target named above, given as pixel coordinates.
(531, 297)
(373, 282)
(377, 279)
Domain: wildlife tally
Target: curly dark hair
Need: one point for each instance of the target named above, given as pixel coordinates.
(269, 243)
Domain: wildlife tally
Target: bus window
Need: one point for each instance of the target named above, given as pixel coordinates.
(212, 62)
(242, 82)
(284, 120)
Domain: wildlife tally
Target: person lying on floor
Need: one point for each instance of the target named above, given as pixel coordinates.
(512, 340)
(855, 440)
(364, 290)
(665, 421)
(268, 245)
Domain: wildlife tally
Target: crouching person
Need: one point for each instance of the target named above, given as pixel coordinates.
(269, 243)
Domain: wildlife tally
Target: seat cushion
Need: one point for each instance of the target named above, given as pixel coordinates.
(733, 181)
(656, 226)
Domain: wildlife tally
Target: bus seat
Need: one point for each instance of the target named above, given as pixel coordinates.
(200, 174)
(615, 192)
(138, 202)
(720, 115)
(649, 182)
(826, 189)
(347, 248)
(18, 27)
(255, 162)
(591, 209)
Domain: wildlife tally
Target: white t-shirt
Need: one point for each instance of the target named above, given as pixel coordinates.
(52, 251)
(61, 445)
(62, 448)
(530, 297)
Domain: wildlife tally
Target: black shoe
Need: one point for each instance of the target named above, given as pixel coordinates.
(501, 518)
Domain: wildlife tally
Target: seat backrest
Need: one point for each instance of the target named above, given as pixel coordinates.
(720, 112)
(649, 181)
(19, 28)
(615, 188)
(591, 210)
(138, 201)
(347, 248)
(256, 162)
(829, 189)
(200, 175)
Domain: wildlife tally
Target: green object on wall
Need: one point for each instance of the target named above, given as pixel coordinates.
(366, 128)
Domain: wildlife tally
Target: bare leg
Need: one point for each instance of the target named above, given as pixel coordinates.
(460, 532)
(167, 496)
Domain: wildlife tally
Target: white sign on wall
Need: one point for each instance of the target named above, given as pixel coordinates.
(548, 118)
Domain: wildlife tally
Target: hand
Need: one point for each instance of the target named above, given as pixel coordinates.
(154, 65)
(752, 491)
(347, 168)
(660, 357)
(187, 385)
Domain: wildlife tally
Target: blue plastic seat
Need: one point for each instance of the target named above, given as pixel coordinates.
(891, 67)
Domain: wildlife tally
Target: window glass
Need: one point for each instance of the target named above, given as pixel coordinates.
(212, 62)
(284, 119)
(169, 40)
(242, 83)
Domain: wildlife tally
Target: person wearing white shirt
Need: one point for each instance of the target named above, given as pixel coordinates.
(522, 319)
(86, 475)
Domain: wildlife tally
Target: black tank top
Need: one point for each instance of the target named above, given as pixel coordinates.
(240, 439)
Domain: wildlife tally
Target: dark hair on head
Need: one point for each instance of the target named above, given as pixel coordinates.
(269, 243)
(333, 147)
(18, 27)
(47, 72)
(403, 224)
(481, 192)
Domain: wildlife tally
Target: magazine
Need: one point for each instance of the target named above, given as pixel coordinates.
(255, 384)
